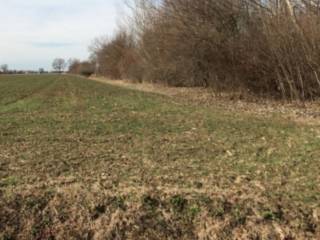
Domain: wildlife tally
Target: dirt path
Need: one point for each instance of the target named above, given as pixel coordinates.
(308, 113)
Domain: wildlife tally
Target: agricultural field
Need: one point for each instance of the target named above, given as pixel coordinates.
(85, 160)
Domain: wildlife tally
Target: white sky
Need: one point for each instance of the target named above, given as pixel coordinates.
(34, 32)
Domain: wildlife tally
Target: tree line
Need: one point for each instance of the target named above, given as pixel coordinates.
(267, 48)
(4, 69)
(58, 66)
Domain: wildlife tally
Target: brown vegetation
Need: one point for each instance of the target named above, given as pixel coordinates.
(118, 57)
(265, 48)
(85, 68)
(85, 160)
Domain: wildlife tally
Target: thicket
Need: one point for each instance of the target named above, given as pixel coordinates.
(85, 68)
(263, 47)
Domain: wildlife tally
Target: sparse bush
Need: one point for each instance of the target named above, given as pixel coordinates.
(117, 58)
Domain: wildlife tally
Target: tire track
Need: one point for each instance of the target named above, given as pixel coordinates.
(36, 91)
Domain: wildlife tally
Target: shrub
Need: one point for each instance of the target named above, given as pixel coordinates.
(85, 68)
(267, 48)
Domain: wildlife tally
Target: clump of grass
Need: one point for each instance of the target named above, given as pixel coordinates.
(193, 211)
(150, 202)
(118, 202)
(9, 181)
(268, 215)
(179, 203)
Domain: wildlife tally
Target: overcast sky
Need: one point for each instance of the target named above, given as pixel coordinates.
(34, 32)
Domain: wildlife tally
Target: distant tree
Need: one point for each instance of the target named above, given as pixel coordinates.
(73, 64)
(59, 64)
(41, 70)
(4, 68)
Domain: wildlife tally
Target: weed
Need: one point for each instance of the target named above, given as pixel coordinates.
(178, 203)
(268, 215)
(193, 211)
(9, 181)
(150, 202)
(118, 202)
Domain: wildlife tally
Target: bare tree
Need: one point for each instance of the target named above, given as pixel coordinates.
(262, 47)
(59, 64)
(116, 57)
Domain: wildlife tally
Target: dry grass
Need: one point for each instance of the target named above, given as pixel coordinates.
(85, 160)
(300, 112)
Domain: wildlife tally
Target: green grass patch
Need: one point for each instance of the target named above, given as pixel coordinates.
(57, 130)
